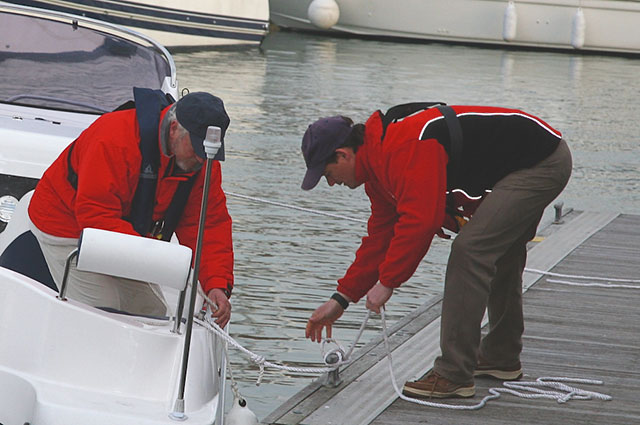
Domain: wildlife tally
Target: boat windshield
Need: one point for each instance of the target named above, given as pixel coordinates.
(62, 64)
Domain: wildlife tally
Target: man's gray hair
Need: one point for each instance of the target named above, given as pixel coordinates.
(169, 117)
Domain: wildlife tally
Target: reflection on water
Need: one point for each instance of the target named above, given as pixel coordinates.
(287, 261)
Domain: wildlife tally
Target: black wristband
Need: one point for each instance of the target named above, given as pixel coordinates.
(341, 300)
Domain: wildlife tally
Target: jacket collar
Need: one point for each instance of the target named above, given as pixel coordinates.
(372, 135)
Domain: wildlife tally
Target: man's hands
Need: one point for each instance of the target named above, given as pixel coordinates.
(377, 296)
(324, 316)
(223, 313)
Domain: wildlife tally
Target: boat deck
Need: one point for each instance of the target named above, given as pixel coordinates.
(571, 331)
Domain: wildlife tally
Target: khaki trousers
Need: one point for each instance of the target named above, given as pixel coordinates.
(95, 289)
(485, 269)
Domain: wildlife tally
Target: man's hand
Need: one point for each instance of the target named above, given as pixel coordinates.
(223, 312)
(324, 316)
(377, 296)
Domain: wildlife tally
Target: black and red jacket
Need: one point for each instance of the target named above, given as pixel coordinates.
(405, 177)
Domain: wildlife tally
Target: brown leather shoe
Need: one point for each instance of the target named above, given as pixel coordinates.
(436, 386)
(511, 372)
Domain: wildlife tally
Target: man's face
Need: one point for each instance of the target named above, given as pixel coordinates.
(181, 148)
(343, 171)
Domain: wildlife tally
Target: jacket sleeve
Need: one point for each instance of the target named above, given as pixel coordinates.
(216, 261)
(400, 235)
(417, 175)
(105, 186)
(363, 272)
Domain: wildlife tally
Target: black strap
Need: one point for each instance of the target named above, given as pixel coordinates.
(455, 148)
(401, 111)
(72, 176)
(175, 209)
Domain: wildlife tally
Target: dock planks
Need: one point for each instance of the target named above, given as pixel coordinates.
(571, 331)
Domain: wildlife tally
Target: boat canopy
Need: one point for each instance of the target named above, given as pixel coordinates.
(58, 61)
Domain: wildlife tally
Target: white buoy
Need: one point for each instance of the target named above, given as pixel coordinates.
(510, 23)
(323, 13)
(579, 29)
(240, 414)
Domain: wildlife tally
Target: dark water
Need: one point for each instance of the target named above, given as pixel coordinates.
(287, 261)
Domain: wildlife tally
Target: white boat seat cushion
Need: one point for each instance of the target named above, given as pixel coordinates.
(134, 257)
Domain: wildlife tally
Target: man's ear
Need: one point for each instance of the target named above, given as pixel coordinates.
(173, 126)
(345, 153)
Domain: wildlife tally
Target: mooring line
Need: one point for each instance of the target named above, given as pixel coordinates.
(536, 271)
(557, 389)
(262, 362)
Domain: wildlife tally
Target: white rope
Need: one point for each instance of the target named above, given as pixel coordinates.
(587, 284)
(569, 276)
(294, 207)
(262, 362)
(562, 393)
(593, 284)
(530, 390)
(541, 272)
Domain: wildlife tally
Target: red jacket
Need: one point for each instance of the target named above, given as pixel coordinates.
(107, 159)
(405, 177)
(406, 183)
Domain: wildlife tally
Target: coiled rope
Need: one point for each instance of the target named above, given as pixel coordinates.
(523, 389)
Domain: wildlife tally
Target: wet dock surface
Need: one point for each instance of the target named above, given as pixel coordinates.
(570, 331)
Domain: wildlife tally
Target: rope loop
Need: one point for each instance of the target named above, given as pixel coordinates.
(338, 351)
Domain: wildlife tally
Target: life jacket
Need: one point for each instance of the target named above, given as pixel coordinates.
(459, 206)
(454, 151)
(149, 104)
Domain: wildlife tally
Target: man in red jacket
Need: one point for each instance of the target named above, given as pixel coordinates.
(415, 171)
(137, 171)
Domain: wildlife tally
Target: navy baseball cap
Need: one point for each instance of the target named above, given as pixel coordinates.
(319, 143)
(198, 110)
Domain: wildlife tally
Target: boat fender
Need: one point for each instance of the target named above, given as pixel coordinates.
(240, 414)
(323, 13)
(578, 30)
(510, 23)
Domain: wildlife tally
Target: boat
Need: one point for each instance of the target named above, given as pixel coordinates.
(61, 361)
(601, 26)
(177, 23)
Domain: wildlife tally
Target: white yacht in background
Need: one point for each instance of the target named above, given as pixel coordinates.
(177, 23)
(63, 362)
(574, 25)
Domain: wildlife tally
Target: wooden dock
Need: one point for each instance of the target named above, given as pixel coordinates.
(570, 331)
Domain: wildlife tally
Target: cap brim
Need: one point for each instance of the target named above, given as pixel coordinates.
(312, 177)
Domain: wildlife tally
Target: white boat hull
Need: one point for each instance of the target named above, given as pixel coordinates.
(74, 364)
(590, 25)
(178, 23)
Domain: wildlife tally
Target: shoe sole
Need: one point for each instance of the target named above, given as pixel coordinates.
(503, 375)
(464, 392)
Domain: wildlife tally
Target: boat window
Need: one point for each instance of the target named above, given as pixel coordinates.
(58, 64)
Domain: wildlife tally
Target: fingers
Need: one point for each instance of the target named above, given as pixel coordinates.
(373, 307)
(222, 307)
(323, 317)
(314, 331)
(222, 315)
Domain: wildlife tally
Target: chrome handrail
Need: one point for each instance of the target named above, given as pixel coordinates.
(63, 287)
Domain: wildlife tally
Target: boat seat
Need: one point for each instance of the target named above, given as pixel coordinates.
(23, 255)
